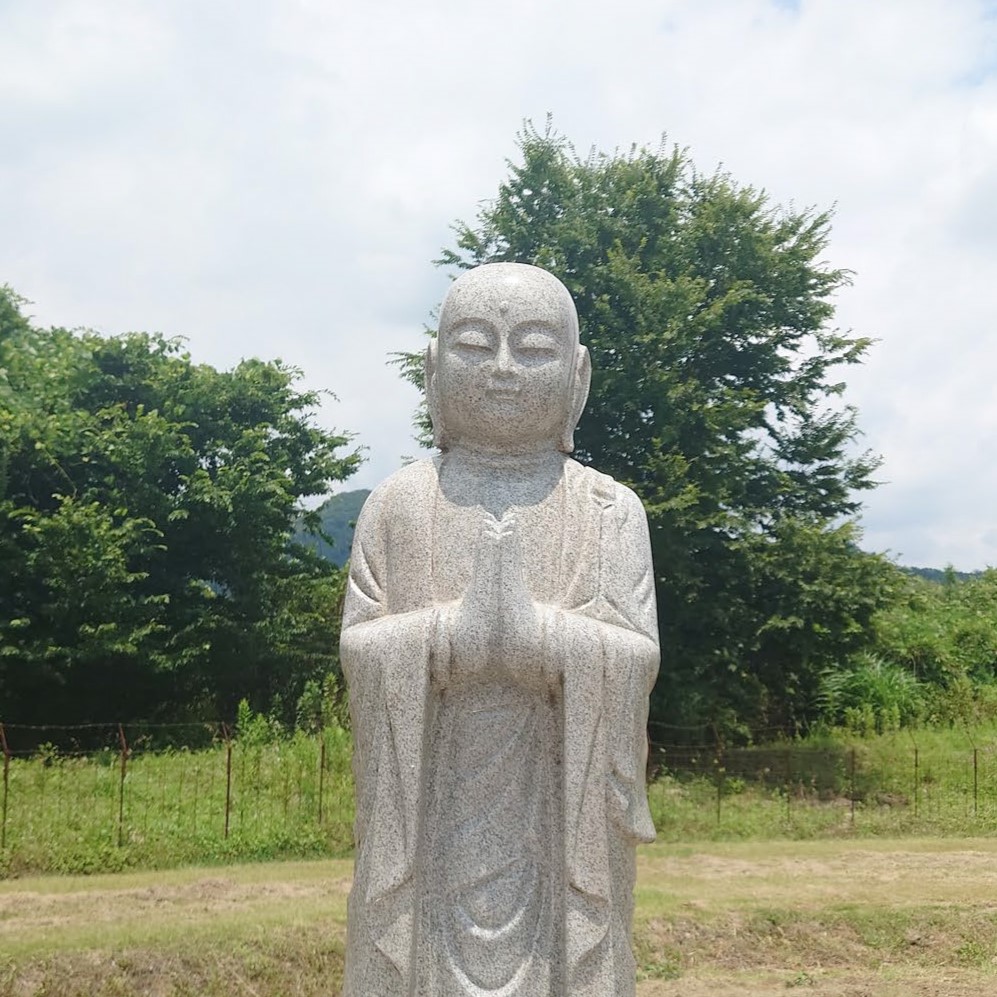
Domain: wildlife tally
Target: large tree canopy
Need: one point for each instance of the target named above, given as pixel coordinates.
(147, 506)
(716, 397)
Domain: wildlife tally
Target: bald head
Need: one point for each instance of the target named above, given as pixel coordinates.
(517, 291)
(507, 372)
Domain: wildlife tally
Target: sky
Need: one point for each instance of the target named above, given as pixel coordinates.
(274, 178)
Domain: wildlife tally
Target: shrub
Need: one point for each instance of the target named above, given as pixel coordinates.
(871, 695)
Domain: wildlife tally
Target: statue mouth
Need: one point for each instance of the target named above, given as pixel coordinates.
(503, 393)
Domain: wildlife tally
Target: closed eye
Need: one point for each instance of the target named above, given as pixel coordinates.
(538, 344)
(473, 349)
(473, 339)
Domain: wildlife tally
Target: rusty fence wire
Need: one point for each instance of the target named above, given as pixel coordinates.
(99, 796)
(905, 782)
(109, 796)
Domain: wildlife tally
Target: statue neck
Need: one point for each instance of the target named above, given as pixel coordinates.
(505, 460)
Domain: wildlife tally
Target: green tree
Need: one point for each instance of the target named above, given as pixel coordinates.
(716, 397)
(147, 506)
(942, 632)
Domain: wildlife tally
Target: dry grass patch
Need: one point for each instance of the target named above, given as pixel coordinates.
(297, 963)
(844, 983)
(827, 919)
(263, 931)
(854, 918)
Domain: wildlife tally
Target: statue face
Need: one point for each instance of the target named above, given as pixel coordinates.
(507, 352)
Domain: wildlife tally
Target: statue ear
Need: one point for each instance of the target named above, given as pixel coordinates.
(580, 383)
(433, 394)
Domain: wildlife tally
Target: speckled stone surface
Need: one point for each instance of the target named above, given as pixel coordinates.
(499, 641)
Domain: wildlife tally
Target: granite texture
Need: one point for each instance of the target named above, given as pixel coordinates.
(499, 641)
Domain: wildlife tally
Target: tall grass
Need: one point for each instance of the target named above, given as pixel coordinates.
(287, 798)
(928, 781)
(76, 814)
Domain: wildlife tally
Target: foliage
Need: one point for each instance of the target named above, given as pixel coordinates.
(147, 505)
(323, 705)
(871, 696)
(716, 397)
(942, 633)
(255, 729)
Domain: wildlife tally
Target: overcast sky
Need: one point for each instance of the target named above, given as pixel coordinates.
(274, 178)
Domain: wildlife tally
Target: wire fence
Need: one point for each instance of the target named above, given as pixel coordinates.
(70, 808)
(904, 782)
(109, 796)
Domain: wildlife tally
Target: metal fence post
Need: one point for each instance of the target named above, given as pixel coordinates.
(789, 782)
(721, 770)
(976, 772)
(851, 783)
(228, 776)
(6, 785)
(976, 783)
(917, 773)
(121, 785)
(321, 771)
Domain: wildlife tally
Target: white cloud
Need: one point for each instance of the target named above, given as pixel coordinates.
(275, 181)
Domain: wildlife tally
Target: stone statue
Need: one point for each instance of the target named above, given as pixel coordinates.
(500, 642)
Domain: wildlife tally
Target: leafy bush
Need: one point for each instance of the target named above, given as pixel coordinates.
(941, 632)
(871, 696)
(322, 706)
(254, 728)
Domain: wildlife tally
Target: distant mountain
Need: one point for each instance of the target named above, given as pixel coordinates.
(338, 514)
(940, 574)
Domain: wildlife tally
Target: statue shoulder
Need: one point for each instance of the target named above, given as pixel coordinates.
(405, 489)
(606, 491)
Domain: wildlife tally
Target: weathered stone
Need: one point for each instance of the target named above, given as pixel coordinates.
(500, 642)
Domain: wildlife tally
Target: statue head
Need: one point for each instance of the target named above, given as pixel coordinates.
(506, 372)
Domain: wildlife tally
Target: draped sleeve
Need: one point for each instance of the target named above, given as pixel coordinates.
(606, 638)
(386, 658)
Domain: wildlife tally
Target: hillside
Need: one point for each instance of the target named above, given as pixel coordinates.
(940, 575)
(338, 514)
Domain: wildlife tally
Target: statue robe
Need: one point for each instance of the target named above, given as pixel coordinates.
(437, 806)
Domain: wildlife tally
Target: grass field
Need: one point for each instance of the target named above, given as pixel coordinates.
(85, 814)
(855, 918)
(292, 798)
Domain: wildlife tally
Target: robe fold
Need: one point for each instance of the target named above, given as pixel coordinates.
(570, 877)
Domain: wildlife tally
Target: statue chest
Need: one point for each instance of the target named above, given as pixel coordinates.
(461, 515)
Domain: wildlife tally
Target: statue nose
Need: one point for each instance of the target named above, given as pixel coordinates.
(503, 360)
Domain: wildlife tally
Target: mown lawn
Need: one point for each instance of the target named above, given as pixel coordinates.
(854, 918)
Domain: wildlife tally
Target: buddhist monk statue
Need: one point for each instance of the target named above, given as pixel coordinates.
(500, 643)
